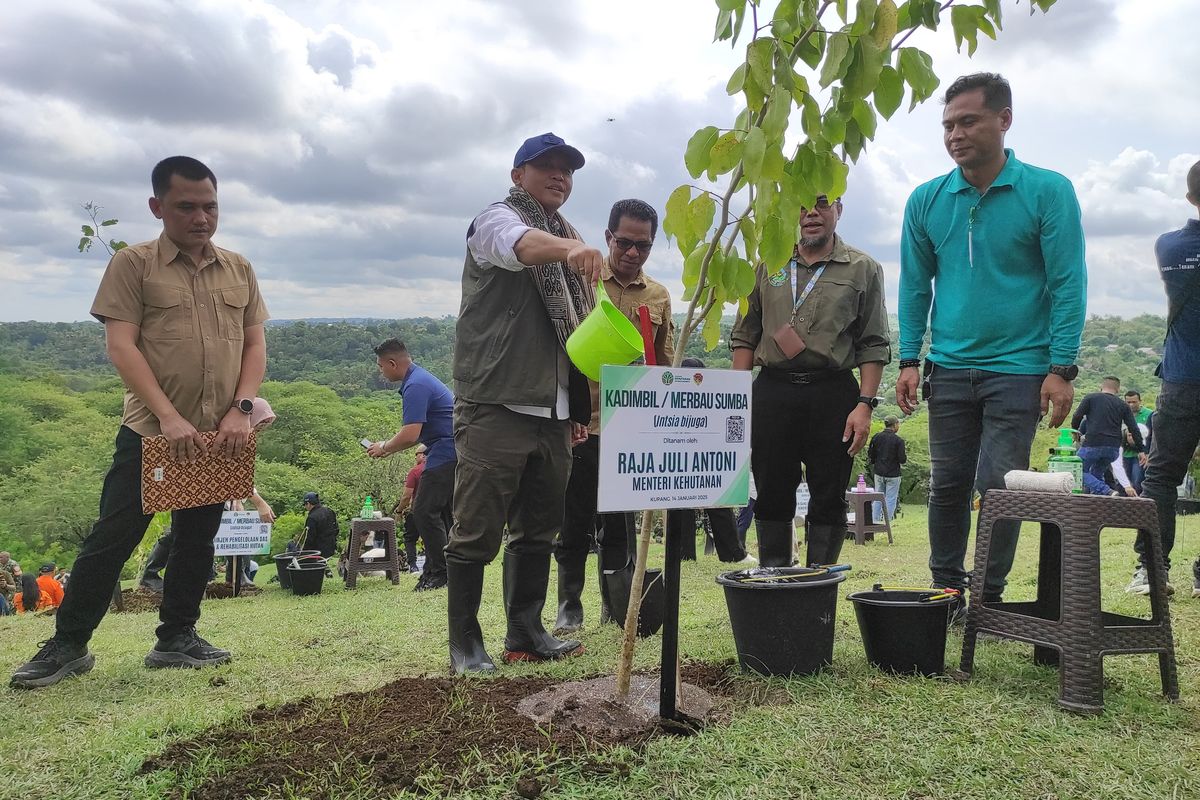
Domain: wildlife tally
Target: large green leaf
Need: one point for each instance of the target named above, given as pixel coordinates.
(749, 237)
(810, 116)
(725, 155)
(730, 5)
(691, 269)
(701, 212)
(835, 56)
(916, 67)
(775, 121)
(712, 326)
(862, 73)
(864, 16)
(759, 55)
(889, 92)
(675, 224)
(778, 241)
(739, 277)
(966, 28)
(737, 80)
(811, 48)
(696, 156)
(864, 115)
(834, 126)
(753, 149)
(886, 18)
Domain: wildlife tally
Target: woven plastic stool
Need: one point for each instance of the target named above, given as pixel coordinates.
(1065, 622)
(359, 530)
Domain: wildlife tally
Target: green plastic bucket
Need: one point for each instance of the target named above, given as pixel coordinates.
(606, 336)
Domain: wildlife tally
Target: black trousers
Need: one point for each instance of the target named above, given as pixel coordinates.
(117, 534)
(682, 523)
(411, 534)
(615, 532)
(797, 433)
(431, 513)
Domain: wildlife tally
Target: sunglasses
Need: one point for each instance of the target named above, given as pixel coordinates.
(625, 244)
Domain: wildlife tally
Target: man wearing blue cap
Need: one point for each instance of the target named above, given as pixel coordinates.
(519, 402)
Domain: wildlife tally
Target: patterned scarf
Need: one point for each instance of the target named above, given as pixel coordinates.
(566, 297)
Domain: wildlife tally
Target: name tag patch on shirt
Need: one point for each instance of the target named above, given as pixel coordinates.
(779, 278)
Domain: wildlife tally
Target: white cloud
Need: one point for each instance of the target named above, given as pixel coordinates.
(355, 140)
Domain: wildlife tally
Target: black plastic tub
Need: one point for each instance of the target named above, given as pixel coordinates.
(307, 576)
(782, 618)
(902, 633)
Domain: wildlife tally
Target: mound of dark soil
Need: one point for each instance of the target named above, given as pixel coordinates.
(433, 735)
(137, 600)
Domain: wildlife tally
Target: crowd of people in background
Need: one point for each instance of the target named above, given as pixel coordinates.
(992, 270)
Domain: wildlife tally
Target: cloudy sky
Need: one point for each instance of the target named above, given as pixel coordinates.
(354, 141)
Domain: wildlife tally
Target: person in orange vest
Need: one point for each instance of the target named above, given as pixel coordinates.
(52, 590)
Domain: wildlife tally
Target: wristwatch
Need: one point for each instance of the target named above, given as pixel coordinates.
(245, 406)
(1067, 372)
(873, 402)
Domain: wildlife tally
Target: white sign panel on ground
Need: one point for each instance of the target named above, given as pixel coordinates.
(242, 533)
(673, 438)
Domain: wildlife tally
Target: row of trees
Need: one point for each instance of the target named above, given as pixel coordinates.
(56, 444)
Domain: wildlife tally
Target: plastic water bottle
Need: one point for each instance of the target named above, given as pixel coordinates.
(368, 509)
(862, 483)
(1063, 459)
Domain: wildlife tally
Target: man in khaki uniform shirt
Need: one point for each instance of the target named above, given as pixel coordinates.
(632, 226)
(183, 322)
(808, 325)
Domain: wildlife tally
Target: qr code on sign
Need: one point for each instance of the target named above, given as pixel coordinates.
(735, 430)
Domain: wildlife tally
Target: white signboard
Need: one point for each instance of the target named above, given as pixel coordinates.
(673, 438)
(242, 533)
(802, 498)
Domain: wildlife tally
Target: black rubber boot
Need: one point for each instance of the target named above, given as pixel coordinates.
(824, 543)
(571, 572)
(617, 585)
(774, 543)
(526, 580)
(464, 589)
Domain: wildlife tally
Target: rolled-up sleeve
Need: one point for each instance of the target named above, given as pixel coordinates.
(874, 342)
(493, 236)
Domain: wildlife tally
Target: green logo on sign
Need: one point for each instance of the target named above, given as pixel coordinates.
(667, 379)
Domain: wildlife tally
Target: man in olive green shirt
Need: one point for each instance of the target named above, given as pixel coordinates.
(808, 325)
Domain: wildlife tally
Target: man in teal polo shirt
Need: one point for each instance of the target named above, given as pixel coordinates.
(992, 263)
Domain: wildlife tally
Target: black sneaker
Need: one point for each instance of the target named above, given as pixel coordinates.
(428, 582)
(185, 649)
(55, 661)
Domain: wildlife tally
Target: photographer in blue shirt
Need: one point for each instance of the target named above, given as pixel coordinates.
(992, 264)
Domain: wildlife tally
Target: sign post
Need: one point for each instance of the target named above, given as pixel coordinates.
(242, 533)
(672, 437)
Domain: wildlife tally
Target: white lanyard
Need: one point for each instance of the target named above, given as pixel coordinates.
(812, 282)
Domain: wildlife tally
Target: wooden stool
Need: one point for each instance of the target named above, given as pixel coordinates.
(861, 502)
(1065, 624)
(359, 529)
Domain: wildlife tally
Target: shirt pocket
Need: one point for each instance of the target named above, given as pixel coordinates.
(166, 312)
(231, 311)
(837, 304)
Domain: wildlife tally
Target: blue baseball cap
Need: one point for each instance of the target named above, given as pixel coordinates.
(534, 146)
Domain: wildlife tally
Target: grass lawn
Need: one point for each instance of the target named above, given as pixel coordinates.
(848, 733)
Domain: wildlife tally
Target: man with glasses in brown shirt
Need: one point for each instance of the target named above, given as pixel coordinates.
(632, 226)
(183, 323)
(808, 325)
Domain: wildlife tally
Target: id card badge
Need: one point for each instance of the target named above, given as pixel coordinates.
(789, 341)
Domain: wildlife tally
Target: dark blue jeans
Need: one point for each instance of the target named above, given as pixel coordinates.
(1096, 461)
(1176, 423)
(1135, 471)
(981, 425)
